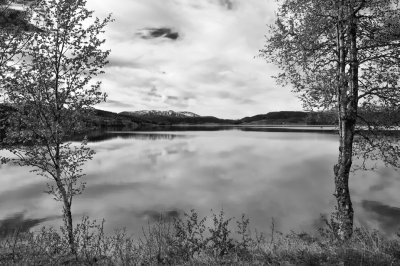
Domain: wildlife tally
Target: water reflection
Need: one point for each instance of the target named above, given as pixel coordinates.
(18, 223)
(282, 175)
(102, 136)
(387, 216)
(168, 132)
(262, 128)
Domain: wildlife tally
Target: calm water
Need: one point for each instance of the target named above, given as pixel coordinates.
(135, 176)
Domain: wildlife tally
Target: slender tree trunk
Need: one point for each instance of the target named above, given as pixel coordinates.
(67, 203)
(347, 112)
(69, 225)
(345, 211)
(66, 208)
(67, 217)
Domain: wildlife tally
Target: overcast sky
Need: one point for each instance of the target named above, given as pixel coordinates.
(191, 55)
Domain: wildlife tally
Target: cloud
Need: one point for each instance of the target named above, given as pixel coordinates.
(151, 33)
(123, 63)
(177, 102)
(196, 51)
(227, 3)
(154, 93)
(117, 103)
(387, 178)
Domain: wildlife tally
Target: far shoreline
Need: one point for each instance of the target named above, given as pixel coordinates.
(217, 127)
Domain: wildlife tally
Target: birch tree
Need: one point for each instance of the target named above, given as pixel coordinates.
(345, 55)
(52, 89)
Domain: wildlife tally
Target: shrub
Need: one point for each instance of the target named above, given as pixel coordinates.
(191, 240)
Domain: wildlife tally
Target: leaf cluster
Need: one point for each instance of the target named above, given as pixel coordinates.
(52, 88)
(311, 44)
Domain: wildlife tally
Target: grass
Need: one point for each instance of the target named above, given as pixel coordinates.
(190, 241)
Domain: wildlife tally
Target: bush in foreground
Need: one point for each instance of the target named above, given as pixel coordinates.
(192, 240)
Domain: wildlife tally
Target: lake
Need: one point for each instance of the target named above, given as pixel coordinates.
(266, 174)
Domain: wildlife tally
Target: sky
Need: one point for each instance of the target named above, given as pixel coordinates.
(191, 55)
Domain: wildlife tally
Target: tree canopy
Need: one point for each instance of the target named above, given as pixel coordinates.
(344, 55)
(52, 88)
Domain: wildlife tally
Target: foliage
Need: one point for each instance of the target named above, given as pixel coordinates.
(220, 241)
(52, 90)
(49, 247)
(189, 237)
(344, 55)
(303, 43)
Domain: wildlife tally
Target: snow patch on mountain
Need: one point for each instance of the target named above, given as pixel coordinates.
(169, 113)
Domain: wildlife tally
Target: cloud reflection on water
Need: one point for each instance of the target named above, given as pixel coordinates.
(288, 176)
(387, 216)
(242, 172)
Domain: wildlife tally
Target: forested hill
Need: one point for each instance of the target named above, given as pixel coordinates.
(290, 117)
(273, 118)
(283, 117)
(99, 120)
(149, 119)
(152, 119)
(171, 117)
(105, 119)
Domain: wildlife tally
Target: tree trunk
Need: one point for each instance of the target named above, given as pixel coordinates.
(345, 211)
(69, 225)
(347, 113)
(66, 209)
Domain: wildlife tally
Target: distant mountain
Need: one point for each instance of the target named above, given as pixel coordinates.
(273, 118)
(172, 117)
(154, 113)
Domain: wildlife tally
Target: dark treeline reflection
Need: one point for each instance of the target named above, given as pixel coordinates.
(282, 129)
(100, 136)
(387, 216)
(17, 223)
(276, 128)
(159, 133)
